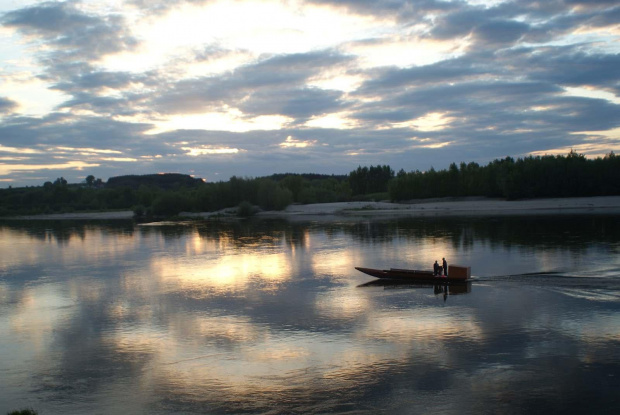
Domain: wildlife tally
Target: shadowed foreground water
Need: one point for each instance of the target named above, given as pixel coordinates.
(271, 317)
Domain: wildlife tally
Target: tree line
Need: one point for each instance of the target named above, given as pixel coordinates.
(168, 194)
(531, 177)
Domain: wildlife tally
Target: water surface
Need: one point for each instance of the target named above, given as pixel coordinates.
(271, 317)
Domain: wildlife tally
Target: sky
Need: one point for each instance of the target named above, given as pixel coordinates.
(217, 89)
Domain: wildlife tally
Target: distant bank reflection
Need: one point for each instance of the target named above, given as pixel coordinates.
(563, 230)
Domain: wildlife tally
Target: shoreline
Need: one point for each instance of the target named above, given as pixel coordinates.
(417, 208)
(116, 215)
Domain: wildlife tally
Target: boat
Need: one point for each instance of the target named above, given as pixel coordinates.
(456, 274)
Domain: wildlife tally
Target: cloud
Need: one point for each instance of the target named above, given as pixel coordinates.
(7, 105)
(270, 76)
(70, 31)
(67, 42)
(399, 9)
(497, 32)
(300, 104)
(446, 71)
(576, 68)
(592, 3)
(158, 7)
(305, 86)
(71, 131)
(96, 80)
(48, 18)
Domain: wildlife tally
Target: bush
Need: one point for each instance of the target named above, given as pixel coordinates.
(27, 411)
(138, 211)
(170, 204)
(245, 209)
(371, 197)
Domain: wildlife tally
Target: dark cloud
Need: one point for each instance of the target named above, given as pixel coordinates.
(302, 103)
(499, 118)
(85, 101)
(51, 18)
(567, 21)
(575, 69)
(609, 18)
(269, 76)
(287, 69)
(71, 131)
(402, 10)
(457, 24)
(507, 22)
(85, 80)
(500, 31)
(7, 105)
(72, 32)
(447, 71)
(490, 27)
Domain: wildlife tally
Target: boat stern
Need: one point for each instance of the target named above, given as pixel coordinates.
(459, 272)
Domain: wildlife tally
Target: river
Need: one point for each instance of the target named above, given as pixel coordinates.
(267, 316)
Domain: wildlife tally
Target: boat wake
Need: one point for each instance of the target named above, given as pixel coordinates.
(593, 280)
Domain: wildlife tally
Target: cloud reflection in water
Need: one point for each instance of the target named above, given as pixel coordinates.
(270, 317)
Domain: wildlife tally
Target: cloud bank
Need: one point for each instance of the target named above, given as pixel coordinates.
(251, 88)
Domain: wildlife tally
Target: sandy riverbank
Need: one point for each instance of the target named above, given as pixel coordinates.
(473, 206)
(444, 207)
(435, 207)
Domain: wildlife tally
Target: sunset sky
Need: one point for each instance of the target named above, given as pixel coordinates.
(251, 88)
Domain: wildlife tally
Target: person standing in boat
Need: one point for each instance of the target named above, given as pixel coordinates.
(435, 268)
(445, 267)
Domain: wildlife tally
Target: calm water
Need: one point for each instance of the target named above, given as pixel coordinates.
(271, 317)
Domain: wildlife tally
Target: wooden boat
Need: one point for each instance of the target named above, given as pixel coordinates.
(457, 274)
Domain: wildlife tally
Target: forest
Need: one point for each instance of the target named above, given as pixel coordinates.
(165, 195)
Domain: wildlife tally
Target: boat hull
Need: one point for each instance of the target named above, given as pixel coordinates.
(411, 275)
